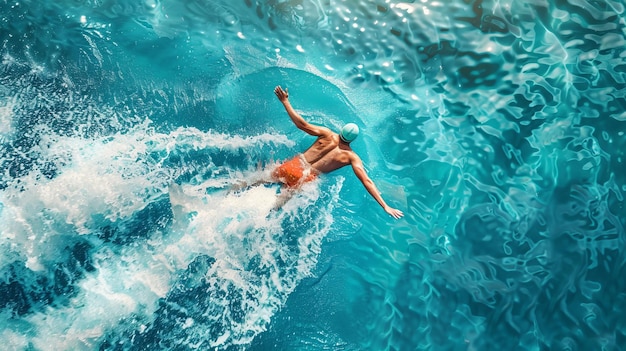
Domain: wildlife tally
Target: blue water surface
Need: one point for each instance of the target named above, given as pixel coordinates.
(497, 126)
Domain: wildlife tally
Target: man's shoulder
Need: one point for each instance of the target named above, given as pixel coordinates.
(326, 132)
(327, 136)
(354, 157)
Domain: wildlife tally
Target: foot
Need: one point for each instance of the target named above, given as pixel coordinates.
(238, 187)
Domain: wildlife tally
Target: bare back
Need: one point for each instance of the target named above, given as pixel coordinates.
(328, 153)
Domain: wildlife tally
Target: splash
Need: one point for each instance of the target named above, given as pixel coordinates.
(113, 203)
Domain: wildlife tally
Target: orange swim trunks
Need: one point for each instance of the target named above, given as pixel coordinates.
(295, 172)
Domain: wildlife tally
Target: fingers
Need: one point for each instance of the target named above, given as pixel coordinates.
(397, 214)
(280, 93)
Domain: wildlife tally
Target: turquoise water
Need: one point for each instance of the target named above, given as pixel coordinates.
(496, 126)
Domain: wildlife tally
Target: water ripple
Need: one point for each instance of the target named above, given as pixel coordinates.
(502, 120)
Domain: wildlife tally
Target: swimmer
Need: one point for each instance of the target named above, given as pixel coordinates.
(329, 152)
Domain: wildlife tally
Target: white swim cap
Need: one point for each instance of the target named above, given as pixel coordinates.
(349, 132)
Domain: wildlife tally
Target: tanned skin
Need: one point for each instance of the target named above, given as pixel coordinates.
(329, 152)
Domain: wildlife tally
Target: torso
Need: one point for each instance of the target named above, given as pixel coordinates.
(328, 153)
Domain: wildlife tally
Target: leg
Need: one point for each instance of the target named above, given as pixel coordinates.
(243, 184)
(283, 197)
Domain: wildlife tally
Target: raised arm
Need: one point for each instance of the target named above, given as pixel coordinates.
(283, 97)
(357, 167)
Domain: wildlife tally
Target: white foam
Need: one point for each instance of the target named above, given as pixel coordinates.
(125, 283)
(6, 119)
(107, 180)
(242, 234)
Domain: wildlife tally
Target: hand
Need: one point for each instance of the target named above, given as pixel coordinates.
(281, 94)
(395, 213)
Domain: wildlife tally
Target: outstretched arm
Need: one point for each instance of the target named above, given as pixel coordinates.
(357, 167)
(283, 96)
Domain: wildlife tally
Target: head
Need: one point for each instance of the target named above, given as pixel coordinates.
(349, 132)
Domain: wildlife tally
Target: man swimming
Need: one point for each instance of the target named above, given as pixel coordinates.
(329, 152)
